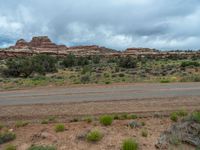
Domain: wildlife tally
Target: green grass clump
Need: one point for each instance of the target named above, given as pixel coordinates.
(129, 144)
(144, 133)
(19, 124)
(165, 81)
(10, 147)
(182, 113)
(196, 117)
(106, 120)
(133, 116)
(174, 117)
(42, 148)
(60, 128)
(94, 136)
(7, 137)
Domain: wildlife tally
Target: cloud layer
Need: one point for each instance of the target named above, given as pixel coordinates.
(161, 24)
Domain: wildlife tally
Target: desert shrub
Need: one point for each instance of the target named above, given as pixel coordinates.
(164, 81)
(96, 59)
(21, 124)
(116, 117)
(60, 128)
(51, 118)
(133, 116)
(18, 67)
(198, 148)
(182, 113)
(106, 75)
(94, 136)
(143, 123)
(45, 121)
(121, 75)
(42, 148)
(174, 117)
(127, 62)
(1, 126)
(107, 82)
(144, 133)
(174, 140)
(124, 116)
(86, 69)
(190, 63)
(85, 79)
(82, 61)
(196, 117)
(69, 61)
(88, 119)
(7, 137)
(10, 147)
(129, 144)
(43, 64)
(106, 120)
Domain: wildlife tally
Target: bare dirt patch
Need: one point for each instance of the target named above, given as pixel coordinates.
(113, 135)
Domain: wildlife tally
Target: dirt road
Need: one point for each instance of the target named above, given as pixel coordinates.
(98, 93)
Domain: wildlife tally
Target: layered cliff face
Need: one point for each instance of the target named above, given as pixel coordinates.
(140, 51)
(43, 44)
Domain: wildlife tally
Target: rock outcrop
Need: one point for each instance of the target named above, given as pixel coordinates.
(43, 45)
(140, 51)
(186, 131)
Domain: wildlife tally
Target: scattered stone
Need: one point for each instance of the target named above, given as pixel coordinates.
(134, 124)
(187, 131)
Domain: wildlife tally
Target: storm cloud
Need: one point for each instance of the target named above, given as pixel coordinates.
(118, 24)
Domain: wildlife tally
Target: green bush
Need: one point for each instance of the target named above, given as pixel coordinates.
(18, 67)
(196, 117)
(94, 136)
(60, 128)
(121, 75)
(85, 79)
(164, 81)
(174, 117)
(10, 147)
(106, 120)
(190, 63)
(69, 61)
(182, 113)
(42, 148)
(25, 66)
(129, 144)
(43, 64)
(133, 116)
(7, 137)
(127, 62)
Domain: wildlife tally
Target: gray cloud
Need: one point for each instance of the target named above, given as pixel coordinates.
(163, 24)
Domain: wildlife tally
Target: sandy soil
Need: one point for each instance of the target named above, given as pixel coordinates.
(112, 140)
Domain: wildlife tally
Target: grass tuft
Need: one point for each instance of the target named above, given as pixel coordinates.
(106, 120)
(94, 136)
(129, 144)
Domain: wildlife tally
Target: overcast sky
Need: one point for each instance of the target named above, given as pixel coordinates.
(118, 24)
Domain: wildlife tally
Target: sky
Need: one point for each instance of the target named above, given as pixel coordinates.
(117, 24)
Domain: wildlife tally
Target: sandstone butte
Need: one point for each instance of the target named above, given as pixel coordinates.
(43, 45)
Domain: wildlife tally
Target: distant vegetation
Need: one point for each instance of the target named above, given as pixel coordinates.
(43, 69)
